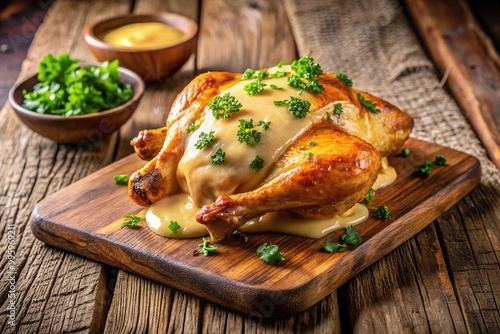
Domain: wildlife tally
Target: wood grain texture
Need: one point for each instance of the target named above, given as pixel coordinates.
(307, 276)
(460, 47)
(32, 168)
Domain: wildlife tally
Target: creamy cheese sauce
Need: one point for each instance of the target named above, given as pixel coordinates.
(147, 35)
(204, 181)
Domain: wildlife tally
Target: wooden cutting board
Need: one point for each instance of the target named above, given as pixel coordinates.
(85, 218)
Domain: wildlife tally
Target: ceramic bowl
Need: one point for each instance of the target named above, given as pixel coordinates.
(87, 128)
(153, 65)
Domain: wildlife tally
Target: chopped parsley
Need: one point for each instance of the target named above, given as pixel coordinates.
(193, 126)
(425, 169)
(338, 108)
(262, 74)
(441, 160)
(273, 86)
(369, 196)
(120, 179)
(281, 63)
(297, 107)
(223, 106)
(204, 140)
(206, 248)
(247, 134)
(265, 125)
(279, 74)
(405, 152)
(333, 247)
(351, 236)
(382, 212)
(248, 74)
(344, 78)
(309, 155)
(256, 164)
(312, 143)
(218, 157)
(306, 68)
(174, 226)
(255, 87)
(270, 254)
(131, 221)
(368, 104)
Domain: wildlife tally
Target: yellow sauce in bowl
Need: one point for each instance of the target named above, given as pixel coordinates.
(147, 35)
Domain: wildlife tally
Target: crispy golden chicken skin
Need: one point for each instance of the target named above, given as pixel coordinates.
(337, 173)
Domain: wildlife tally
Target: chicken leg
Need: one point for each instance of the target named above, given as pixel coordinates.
(336, 173)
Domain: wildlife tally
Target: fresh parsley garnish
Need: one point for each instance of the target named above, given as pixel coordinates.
(425, 169)
(351, 236)
(368, 104)
(66, 89)
(207, 248)
(120, 179)
(131, 221)
(174, 226)
(265, 125)
(306, 68)
(369, 196)
(256, 164)
(405, 152)
(299, 108)
(255, 87)
(333, 247)
(441, 160)
(248, 74)
(270, 254)
(279, 103)
(205, 139)
(247, 134)
(223, 106)
(193, 126)
(281, 63)
(261, 74)
(344, 78)
(273, 86)
(279, 74)
(382, 212)
(218, 157)
(309, 155)
(338, 108)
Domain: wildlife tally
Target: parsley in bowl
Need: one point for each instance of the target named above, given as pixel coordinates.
(70, 104)
(69, 90)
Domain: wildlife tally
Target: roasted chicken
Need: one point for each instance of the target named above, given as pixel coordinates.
(322, 168)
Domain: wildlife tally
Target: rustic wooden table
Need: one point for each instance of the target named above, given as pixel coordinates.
(444, 279)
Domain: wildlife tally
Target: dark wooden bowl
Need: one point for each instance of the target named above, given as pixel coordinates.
(88, 128)
(152, 65)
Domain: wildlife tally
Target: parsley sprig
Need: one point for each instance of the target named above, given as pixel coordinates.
(131, 221)
(120, 179)
(297, 107)
(270, 254)
(205, 139)
(248, 134)
(344, 78)
(206, 248)
(350, 237)
(368, 104)
(256, 164)
(255, 87)
(219, 157)
(174, 226)
(223, 106)
(382, 212)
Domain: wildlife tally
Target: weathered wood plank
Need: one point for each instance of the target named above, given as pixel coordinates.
(471, 240)
(46, 298)
(461, 49)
